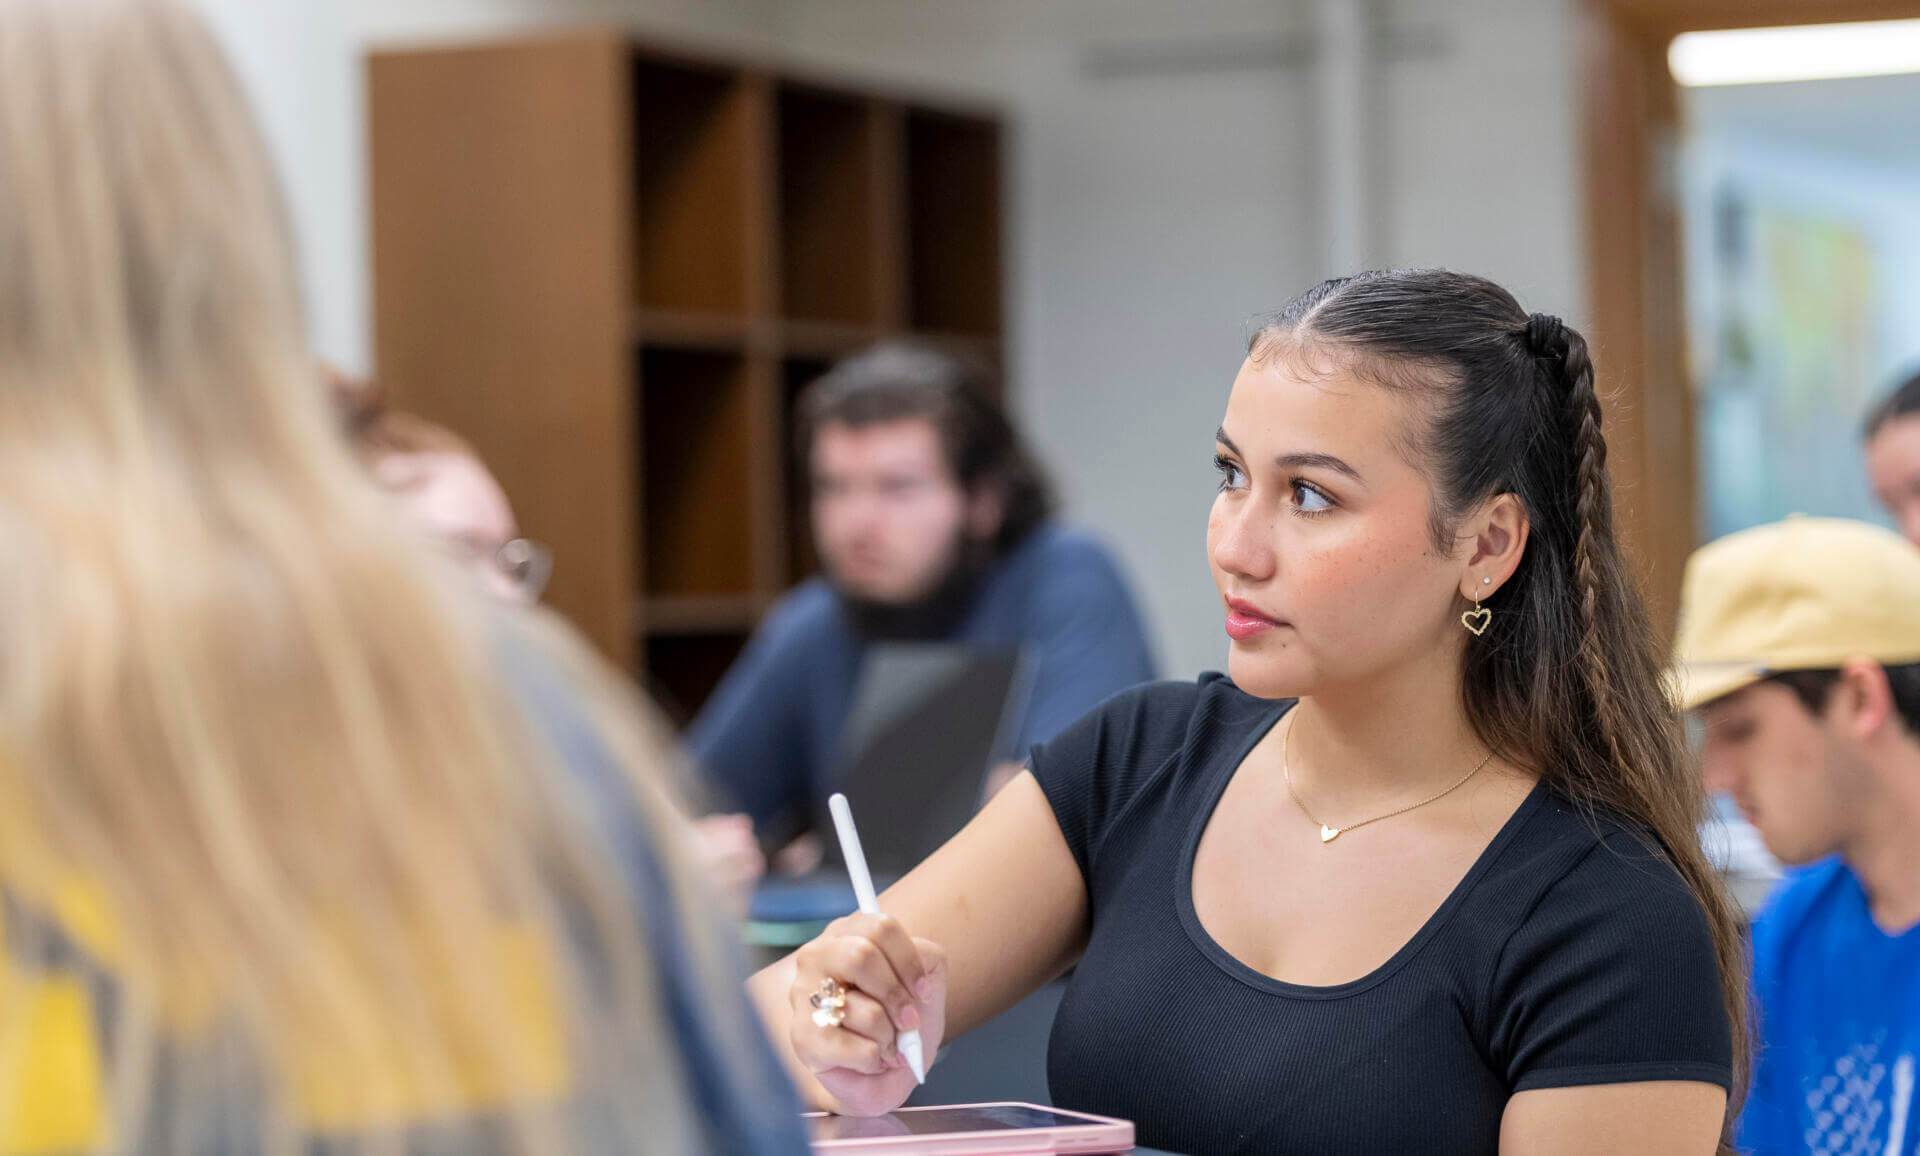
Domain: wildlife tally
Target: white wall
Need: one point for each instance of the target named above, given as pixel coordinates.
(301, 62)
(1155, 216)
(1152, 216)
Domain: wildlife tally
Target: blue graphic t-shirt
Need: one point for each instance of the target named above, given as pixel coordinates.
(1839, 1023)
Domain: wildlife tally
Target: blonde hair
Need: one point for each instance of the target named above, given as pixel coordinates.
(352, 888)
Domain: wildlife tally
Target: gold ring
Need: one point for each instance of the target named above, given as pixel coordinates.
(829, 1003)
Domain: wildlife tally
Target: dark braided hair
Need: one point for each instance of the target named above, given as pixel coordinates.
(1550, 339)
(1568, 679)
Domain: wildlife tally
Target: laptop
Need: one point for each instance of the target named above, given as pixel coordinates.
(928, 721)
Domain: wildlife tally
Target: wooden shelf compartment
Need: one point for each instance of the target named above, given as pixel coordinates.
(681, 670)
(829, 185)
(694, 139)
(697, 497)
(953, 189)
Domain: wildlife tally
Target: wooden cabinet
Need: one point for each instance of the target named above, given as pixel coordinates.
(612, 268)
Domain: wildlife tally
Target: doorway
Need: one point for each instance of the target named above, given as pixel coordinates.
(1636, 293)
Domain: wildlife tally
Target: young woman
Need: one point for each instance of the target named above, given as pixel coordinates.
(1420, 874)
(306, 844)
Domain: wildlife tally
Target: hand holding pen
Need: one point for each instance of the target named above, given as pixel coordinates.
(908, 1040)
(865, 996)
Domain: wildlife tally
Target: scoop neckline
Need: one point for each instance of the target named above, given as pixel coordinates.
(1231, 964)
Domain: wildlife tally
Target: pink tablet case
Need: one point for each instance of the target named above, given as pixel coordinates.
(1088, 1134)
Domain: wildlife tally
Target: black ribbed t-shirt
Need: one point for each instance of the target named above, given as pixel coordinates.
(1569, 954)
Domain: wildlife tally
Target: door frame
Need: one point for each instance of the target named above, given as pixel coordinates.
(1635, 306)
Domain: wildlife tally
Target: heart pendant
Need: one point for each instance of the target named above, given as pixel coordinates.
(1328, 834)
(1476, 619)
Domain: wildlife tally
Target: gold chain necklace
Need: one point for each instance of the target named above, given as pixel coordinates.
(1329, 834)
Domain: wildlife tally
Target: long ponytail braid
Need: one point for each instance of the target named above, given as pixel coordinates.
(1569, 366)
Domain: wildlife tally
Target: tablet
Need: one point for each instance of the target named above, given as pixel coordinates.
(1005, 1128)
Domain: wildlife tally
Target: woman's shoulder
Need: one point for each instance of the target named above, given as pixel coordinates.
(1578, 874)
(1566, 846)
(1095, 770)
(1605, 839)
(1607, 971)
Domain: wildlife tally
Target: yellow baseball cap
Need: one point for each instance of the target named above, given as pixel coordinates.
(1800, 594)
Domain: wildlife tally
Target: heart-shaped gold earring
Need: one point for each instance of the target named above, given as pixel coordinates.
(1477, 619)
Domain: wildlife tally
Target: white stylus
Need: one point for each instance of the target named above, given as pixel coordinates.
(908, 1041)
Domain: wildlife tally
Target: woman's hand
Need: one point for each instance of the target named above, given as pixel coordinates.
(1005, 896)
(893, 983)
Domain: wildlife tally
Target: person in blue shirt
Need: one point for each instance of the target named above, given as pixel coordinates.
(1800, 647)
(931, 522)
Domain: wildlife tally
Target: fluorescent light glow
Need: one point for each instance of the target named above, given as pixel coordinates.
(1807, 52)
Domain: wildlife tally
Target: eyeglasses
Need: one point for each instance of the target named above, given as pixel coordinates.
(526, 565)
(516, 569)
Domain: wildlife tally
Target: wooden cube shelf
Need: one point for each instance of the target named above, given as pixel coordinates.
(613, 267)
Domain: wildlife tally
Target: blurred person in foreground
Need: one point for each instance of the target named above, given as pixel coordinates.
(1893, 455)
(305, 844)
(932, 524)
(1800, 647)
(442, 485)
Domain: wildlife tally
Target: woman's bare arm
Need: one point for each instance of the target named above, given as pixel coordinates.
(1005, 900)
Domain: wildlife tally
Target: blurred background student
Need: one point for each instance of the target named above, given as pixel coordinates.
(304, 840)
(1800, 650)
(932, 523)
(444, 489)
(1893, 456)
